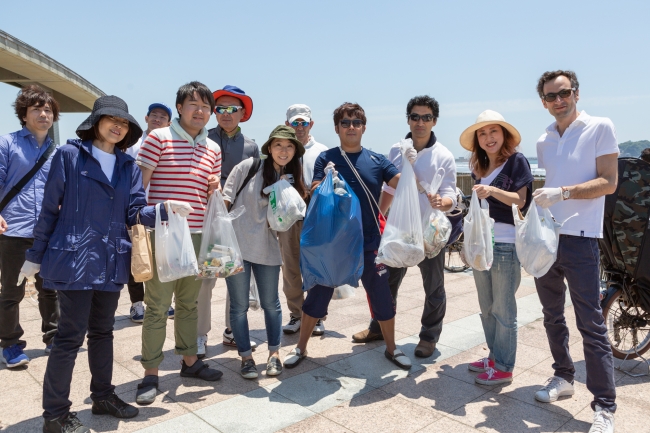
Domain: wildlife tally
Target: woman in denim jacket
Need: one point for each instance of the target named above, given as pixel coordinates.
(503, 178)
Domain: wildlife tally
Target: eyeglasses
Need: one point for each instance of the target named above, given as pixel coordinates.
(118, 121)
(551, 97)
(296, 124)
(346, 123)
(425, 117)
(221, 109)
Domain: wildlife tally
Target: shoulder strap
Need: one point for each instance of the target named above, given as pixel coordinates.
(251, 174)
(13, 192)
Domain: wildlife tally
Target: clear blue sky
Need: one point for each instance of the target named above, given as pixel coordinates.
(470, 56)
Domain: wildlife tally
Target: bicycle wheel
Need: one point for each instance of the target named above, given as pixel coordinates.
(454, 258)
(628, 330)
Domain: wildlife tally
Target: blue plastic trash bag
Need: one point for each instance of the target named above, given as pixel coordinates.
(331, 242)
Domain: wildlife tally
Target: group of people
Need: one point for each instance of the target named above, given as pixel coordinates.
(66, 211)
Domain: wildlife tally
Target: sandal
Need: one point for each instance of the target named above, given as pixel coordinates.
(294, 357)
(200, 370)
(399, 359)
(147, 390)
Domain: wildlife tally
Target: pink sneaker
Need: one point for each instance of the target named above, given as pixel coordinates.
(481, 365)
(493, 377)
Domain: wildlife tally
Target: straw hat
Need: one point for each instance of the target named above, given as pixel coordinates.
(488, 117)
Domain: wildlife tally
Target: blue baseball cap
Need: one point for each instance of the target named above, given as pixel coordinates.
(161, 106)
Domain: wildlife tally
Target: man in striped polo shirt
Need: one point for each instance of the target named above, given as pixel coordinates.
(179, 163)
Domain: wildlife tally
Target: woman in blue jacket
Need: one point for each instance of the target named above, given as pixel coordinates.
(82, 250)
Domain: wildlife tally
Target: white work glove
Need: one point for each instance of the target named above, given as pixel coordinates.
(28, 271)
(330, 168)
(411, 155)
(547, 197)
(179, 207)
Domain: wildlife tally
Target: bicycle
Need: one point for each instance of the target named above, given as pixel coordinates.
(454, 257)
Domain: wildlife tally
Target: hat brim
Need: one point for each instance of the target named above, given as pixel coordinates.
(467, 137)
(245, 99)
(300, 148)
(300, 116)
(116, 112)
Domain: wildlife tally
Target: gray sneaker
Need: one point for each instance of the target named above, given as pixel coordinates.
(248, 369)
(292, 327)
(273, 366)
(554, 388)
(603, 421)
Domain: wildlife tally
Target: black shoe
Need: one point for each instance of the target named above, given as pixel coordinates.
(115, 406)
(200, 370)
(147, 390)
(65, 424)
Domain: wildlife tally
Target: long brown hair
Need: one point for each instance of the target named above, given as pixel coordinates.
(479, 162)
(294, 167)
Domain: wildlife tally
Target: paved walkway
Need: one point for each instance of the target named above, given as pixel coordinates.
(341, 387)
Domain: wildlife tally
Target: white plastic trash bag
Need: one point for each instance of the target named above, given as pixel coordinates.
(254, 295)
(220, 256)
(175, 258)
(343, 292)
(285, 206)
(436, 227)
(536, 239)
(479, 235)
(402, 244)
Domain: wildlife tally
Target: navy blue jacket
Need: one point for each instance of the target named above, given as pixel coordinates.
(81, 238)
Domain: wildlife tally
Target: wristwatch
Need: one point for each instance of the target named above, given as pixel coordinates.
(565, 193)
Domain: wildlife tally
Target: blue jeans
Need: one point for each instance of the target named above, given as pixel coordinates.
(267, 278)
(577, 261)
(496, 297)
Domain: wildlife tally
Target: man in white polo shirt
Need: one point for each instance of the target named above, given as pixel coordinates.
(579, 153)
(299, 118)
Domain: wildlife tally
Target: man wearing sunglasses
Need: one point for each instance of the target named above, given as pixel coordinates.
(422, 115)
(365, 172)
(579, 153)
(232, 107)
(299, 118)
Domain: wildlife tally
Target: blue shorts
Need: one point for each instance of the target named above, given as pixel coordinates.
(374, 280)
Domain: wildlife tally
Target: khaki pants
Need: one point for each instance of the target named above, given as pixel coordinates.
(291, 277)
(158, 298)
(204, 305)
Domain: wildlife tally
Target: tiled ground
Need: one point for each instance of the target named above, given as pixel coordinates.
(341, 387)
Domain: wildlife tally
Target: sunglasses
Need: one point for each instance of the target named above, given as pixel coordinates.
(296, 124)
(425, 117)
(221, 109)
(346, 123)
(551, 97)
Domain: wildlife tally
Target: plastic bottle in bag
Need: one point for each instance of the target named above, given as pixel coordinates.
(478, 242)
(220, 256)
(402, 243)
(285, 206)
(175, 258)
(436, 226)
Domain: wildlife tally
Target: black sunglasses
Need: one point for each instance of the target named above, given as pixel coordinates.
(357, 123)
(425, 117)
(551, 97)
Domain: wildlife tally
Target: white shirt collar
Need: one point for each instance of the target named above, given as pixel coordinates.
(583, 118)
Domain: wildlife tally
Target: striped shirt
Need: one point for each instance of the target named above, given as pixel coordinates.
(180, 169)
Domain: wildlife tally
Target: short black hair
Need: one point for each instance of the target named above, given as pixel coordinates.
(645, 154)
(352, 110)
(188, 90)
(551, 75)
(425, 101)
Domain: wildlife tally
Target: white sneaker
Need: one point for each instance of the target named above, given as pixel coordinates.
(319, 328)
(292, 327)
(137, 312)
(201, 343)
(603, 421)
(229, 340)
(554, 388)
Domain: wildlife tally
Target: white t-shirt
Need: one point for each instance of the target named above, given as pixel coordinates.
(106, 160)
(502, 232)
(428, 161)
(135, 149)
(571, 160)
(312, 150)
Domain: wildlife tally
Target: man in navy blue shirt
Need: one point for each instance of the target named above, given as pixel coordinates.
(359, 167)
(19, 151)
